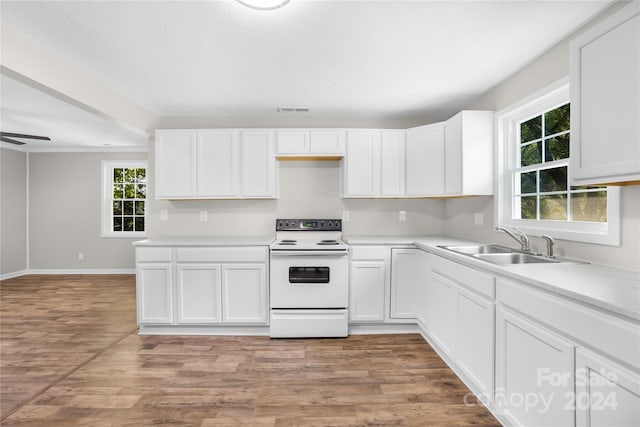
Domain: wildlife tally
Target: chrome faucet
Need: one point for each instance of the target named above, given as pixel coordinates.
(550, 243)
(521, 238)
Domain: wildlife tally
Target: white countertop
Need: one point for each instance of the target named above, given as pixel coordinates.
(208, 241)
(613, 289)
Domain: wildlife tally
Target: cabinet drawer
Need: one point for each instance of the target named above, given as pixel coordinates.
(474, 280)
(617, 337)
(222, 254)
(153, 254)
(368, 253)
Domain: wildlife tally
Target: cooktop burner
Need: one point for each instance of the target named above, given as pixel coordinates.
(328, 242)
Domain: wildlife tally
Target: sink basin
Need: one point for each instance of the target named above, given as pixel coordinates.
(479, 249)
(514, 258)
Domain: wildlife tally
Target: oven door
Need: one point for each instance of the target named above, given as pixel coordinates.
(309, 281)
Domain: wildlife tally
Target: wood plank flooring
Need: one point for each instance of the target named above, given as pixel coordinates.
(70, 355)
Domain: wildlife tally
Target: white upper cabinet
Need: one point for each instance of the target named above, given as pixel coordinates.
(258, 164)
(298, 143)
(469, 154)
(175, 164)
(425, 160)
(605, 101)
(392, 162)
(362, 166)
(214, 163)
(217, 163)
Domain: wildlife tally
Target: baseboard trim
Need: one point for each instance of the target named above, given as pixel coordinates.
(21, 273)
(83, 271)
(14, 274)
(229, 330)
(382, 328)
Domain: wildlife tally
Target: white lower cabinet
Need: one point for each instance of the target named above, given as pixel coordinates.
(607, 394)
(154, 293)
(407, 289)
(198, 293)
(190, 288)
(367, 283)
(461, 320)
(244, 293)
(534, 373)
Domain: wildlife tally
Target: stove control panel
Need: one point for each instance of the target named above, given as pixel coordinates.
(308, 225)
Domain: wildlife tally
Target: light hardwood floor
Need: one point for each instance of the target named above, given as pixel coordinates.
(70, 355)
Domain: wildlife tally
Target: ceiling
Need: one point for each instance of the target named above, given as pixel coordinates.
(387, 60)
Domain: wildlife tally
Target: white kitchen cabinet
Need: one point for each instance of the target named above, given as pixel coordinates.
(425, 160)
(532, 363)
(605, 100)
(300, 143)
(244, 293)
(392, 163)
(198, 293)
(469, 154)
(461, 319)
(607, 394)
(154, 293)
(175, 164)
(215, 163)
(441, 297)
(408, 291)
(367, 283)
(258, 164)
(362, 164)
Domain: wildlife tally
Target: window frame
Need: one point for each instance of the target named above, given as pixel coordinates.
(107, 198)
(507, 151)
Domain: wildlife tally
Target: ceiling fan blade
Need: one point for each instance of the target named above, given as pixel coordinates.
(21, 135)
(12, 141)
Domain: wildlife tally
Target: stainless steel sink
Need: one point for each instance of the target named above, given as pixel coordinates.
(501, 255)
(479, 249)
(515, 258)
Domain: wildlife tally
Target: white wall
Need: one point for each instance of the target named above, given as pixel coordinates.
(308, 189)
(550, 67)
(13, 212)
(64, 204)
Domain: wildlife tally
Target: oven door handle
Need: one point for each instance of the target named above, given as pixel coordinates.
(334, 253)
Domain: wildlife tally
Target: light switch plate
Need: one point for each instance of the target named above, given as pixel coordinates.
(345, 216)
(164, 215)
(204, 216)
(402, 216)
(478, 218)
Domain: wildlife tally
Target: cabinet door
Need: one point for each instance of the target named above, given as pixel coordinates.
(292, 142)
(326, 141)
(606, 393)
(154, 294)
(453, 155)
(532, 363)
(441, 297)
(244, 293)
(425, 160)
(362, 163)
(474, 340)
(407, 290)
(217, 164)
(366, 291)
(175, 164)
(392, 162)
(198, 293)
(605, 100)
(258, 164)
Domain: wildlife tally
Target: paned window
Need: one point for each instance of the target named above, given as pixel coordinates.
(534, 191)
(124, 199)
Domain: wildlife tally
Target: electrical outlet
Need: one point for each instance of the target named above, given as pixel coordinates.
(478, 218)
(402, 216)
(164, 215)
(204, 216)
(345, 216)
(80, 256)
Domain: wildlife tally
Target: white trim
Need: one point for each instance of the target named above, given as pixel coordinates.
(82, 271)
(220, 330)
(27, 258)
(71, 149)
(14, 274)
(599, 233)
(28, 272)
(105, 200)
